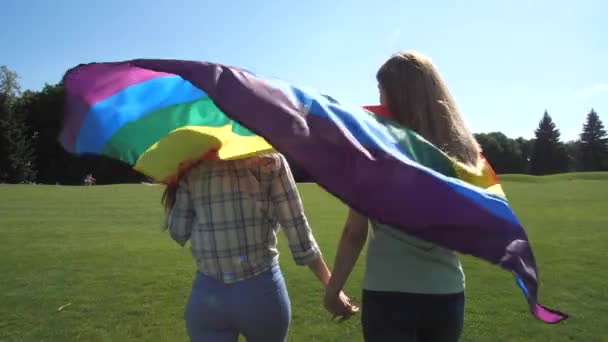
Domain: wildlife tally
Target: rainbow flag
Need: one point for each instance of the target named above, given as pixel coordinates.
(156, 114)
(151, 120)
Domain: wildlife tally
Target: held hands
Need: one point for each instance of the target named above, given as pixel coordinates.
(338, 304)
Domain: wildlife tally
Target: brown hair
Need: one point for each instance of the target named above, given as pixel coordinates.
(168, 198)
(420, 100)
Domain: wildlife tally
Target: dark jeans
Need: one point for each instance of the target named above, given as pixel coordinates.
(397, 316)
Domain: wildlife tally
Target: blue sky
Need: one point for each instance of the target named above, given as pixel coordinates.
(505, 62)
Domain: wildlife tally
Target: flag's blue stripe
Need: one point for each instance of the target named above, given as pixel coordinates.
(367, 131)
(522, 286)
(106, 117)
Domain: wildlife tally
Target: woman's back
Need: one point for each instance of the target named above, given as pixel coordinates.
(235, 208)
(398, 262)
(418, 99)
(413, 290)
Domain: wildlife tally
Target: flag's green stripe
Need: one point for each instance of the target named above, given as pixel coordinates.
(135, 137)
(420, 150)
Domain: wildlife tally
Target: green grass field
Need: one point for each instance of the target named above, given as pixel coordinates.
(101, 250)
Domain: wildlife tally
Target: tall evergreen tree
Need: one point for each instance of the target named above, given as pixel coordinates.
(548, 153)
(593, 144)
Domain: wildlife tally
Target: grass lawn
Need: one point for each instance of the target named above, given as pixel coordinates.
(101, 250)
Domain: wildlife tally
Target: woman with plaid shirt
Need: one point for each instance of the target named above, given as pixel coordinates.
(230, 211)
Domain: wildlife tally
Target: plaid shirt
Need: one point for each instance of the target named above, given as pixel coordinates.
(231, 211)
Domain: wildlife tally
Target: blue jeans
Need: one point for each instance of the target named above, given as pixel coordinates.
(405, 317)
(258, 308)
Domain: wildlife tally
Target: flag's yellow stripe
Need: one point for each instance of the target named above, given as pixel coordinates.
(190, 143)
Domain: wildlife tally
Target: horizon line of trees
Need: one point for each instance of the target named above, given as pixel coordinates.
(546, 153)
(30, 123)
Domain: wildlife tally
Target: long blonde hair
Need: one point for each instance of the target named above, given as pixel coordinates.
(419, 99)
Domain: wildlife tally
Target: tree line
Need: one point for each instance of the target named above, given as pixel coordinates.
(30, 123)
(546, 153)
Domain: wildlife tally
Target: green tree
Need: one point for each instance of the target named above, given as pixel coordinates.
(549, 154)
(16, 143)
(525, 147)
(573, 152)
(4, 112)
(593, 144)
(504, 154)
(43, 112)
(9, 83)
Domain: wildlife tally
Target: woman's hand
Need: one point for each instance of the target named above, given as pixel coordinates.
(338, 304)
(350, 245)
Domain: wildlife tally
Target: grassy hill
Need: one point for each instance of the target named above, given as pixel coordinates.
(101, 251)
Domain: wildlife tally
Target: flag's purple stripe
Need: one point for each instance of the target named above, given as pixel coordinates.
(483, 199)
(373, 135)
(87, 86)
(429, 210)
(97, 82)
(345, 167)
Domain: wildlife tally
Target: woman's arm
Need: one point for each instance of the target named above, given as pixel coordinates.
(319, 268)
(351, 243)
(181, 216)
(289, 212)
(303, 246)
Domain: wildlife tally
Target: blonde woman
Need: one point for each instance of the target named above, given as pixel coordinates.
(413, 290)
(230, 211)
